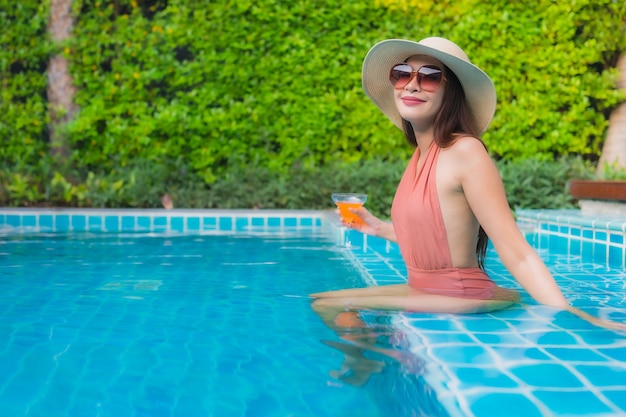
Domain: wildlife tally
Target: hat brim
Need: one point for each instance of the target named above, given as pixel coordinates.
(479, 90)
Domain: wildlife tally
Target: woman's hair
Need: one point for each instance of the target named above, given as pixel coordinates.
(453, 121)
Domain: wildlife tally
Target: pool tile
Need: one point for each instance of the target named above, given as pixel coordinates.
(62, 222)
(177, 224)
(241, 224)
(434, 324)
(494, 405)
(94, 223)
(193, 223)
(603, 375)
(471, 377)
(575, 354)
(111, 223)
(46, 221)
(577, 403)
(617, 353)
(258, 221)
(144, 223)
(554, 338)
(209, 223)
(617, 397)
(546, 375)
(455, 355)
(159, 223)
(486, 325)
(274, 221)
(14, 220)
(79, 222)
(128, 223)
(225, 223)
(29, 221)
(500, 338)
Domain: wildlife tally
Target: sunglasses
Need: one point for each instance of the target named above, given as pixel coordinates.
(428, 77)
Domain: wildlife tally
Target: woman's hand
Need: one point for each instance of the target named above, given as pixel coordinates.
(371, 225)
(596, 321)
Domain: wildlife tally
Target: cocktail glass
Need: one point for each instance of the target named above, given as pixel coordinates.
(346, 201)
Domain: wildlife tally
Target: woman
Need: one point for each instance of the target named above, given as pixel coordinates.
(450, 198)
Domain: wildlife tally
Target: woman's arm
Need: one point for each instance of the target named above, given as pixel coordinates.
(485, 194)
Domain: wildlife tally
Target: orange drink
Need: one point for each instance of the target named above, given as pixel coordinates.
(346, 201)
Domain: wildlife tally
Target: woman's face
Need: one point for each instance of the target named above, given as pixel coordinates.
(416, 105)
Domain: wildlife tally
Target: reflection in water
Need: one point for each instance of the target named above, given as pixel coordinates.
(366, 344)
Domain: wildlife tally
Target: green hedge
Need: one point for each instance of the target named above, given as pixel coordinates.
(218, 89)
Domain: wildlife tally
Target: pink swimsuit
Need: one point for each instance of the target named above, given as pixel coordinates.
(418, 223)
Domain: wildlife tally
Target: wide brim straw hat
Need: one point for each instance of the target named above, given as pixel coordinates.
(480, 92)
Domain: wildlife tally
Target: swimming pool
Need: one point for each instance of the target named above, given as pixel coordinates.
(208, 322)
(164, 356)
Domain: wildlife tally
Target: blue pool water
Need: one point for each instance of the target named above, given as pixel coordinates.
(206, 317)
(159, 325)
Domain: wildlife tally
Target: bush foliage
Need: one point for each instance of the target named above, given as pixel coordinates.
(259, 103)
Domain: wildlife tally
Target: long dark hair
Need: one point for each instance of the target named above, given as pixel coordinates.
(453, 121)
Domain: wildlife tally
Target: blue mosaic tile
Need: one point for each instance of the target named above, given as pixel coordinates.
(46, 221)
(471, 377)
(258, 221)
(177, 224)
(586, 249)
(616, 257)
(209, 223)
(29, 221)
(442, 338)
(225, 223)
(193, 223)
(144, 223)
(79, 222)
(600, 376)
(476, 355)
(273, 221)
(62, 222)
(290, 221)
(520, 353)
(241, 223)
(618, 398)
(500, 339)
(495, 404)
(14, 220)
(556, 338)
(577, 403)
(575, 353)
(94, 223)
(546, 375)
(618, 353)
(431, 324)
(128, 223)
(486, 325)
(111, 223)
(159, 223)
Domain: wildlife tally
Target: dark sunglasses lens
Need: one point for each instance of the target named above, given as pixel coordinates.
(400, 75)
(429, 78)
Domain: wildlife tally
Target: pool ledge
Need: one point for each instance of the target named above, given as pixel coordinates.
(595, 237)
(157, 220)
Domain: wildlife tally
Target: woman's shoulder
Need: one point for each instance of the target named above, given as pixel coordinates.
(465, 146)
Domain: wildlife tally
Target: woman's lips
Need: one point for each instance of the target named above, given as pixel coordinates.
(411, 101)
